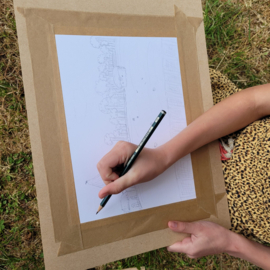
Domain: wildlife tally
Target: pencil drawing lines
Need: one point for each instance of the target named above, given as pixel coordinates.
(182, 169)
(172, 85)
(119, 76)
(174, 97)
(130, 200)
(95, 181)
(111, 85)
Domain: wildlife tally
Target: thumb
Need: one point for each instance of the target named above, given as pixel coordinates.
(116, 186)
(184, 227)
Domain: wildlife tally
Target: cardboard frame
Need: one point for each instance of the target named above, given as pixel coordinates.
(67, 243)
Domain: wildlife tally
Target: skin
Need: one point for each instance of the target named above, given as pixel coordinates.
(232, 114)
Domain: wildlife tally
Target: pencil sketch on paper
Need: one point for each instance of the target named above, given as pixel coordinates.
(172, 82)
(95, 181)
(116, 80)
(174, 97)
(130, 200)
(111, 85)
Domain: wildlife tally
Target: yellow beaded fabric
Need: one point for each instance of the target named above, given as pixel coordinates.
(247, 173)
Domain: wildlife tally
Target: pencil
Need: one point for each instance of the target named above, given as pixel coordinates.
(136, 153)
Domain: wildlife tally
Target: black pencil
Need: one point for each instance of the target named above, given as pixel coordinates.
(136, 153)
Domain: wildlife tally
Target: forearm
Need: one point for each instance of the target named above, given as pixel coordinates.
(250, 251)
(230, 115)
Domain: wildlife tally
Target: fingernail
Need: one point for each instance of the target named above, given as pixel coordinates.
(173, 224)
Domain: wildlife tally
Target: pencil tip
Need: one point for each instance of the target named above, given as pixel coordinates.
(99, 208)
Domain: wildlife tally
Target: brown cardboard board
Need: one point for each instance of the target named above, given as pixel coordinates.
(67, 243)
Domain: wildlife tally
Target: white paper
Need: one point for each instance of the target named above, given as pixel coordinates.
(113, 89)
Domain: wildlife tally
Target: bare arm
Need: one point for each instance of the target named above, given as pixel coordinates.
(248, 250)
(232, 114)
(226, 117)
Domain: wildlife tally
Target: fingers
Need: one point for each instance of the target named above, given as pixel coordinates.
(185, 227)
(117, 186)
(181, 247)
(118, 155)
(111, 177)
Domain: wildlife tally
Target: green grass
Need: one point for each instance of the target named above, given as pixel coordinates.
(19, 226)
(20, 245)
(238, 45)
(230, 37)
(219, 23)
(160, 259)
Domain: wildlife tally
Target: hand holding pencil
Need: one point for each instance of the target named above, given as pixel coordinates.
(149, 164)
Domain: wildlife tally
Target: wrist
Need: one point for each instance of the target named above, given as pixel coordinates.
(237, 244)
(164, 156)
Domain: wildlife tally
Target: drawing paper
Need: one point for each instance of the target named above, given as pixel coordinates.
(113, 89)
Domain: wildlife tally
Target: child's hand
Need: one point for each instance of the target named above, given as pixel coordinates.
(149, 164)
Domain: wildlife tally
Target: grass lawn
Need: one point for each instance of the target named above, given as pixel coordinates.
(238, 45)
